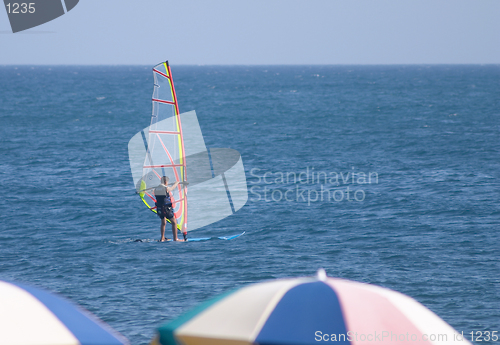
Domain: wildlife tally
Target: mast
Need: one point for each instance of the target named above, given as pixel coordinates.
(183, 155)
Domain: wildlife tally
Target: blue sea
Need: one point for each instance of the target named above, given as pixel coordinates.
(387, 175)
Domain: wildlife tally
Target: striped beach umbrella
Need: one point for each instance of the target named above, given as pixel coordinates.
(309, 311)
(30, 315)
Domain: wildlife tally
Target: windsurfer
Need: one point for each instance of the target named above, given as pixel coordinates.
(164, 207)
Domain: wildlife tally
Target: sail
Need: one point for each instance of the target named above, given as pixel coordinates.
(164, 149)
(173, 146)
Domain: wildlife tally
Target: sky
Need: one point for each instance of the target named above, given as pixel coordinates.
(261, 32)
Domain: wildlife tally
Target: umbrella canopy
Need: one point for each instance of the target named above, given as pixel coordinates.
(33, 316)
(309, 311)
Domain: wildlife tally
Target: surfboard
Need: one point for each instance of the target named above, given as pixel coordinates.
(194, 239)
(201, 239)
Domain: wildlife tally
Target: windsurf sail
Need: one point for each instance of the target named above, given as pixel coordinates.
(173, 146)
(165, 154)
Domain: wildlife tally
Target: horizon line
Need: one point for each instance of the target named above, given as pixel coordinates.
(258, 65)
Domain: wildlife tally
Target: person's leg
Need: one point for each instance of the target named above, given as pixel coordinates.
(174, 227)
(162, 229)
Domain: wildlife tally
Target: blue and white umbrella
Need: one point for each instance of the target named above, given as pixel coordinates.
(30, 315)
(308, 311)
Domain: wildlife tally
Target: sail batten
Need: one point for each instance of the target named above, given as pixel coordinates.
(162, 101)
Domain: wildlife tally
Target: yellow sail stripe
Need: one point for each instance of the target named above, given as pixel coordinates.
(181, 223)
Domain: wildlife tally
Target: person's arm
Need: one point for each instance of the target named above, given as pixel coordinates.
(169, 189)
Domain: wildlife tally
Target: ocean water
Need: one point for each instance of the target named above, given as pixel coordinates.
(421, 215)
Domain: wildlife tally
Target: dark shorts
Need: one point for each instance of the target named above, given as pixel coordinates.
(165, 212)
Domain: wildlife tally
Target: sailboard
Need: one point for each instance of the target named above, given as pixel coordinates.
(202, 239)
(194, 239)
(173, 145)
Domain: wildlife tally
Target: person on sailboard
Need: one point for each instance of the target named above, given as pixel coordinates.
(164, 207)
